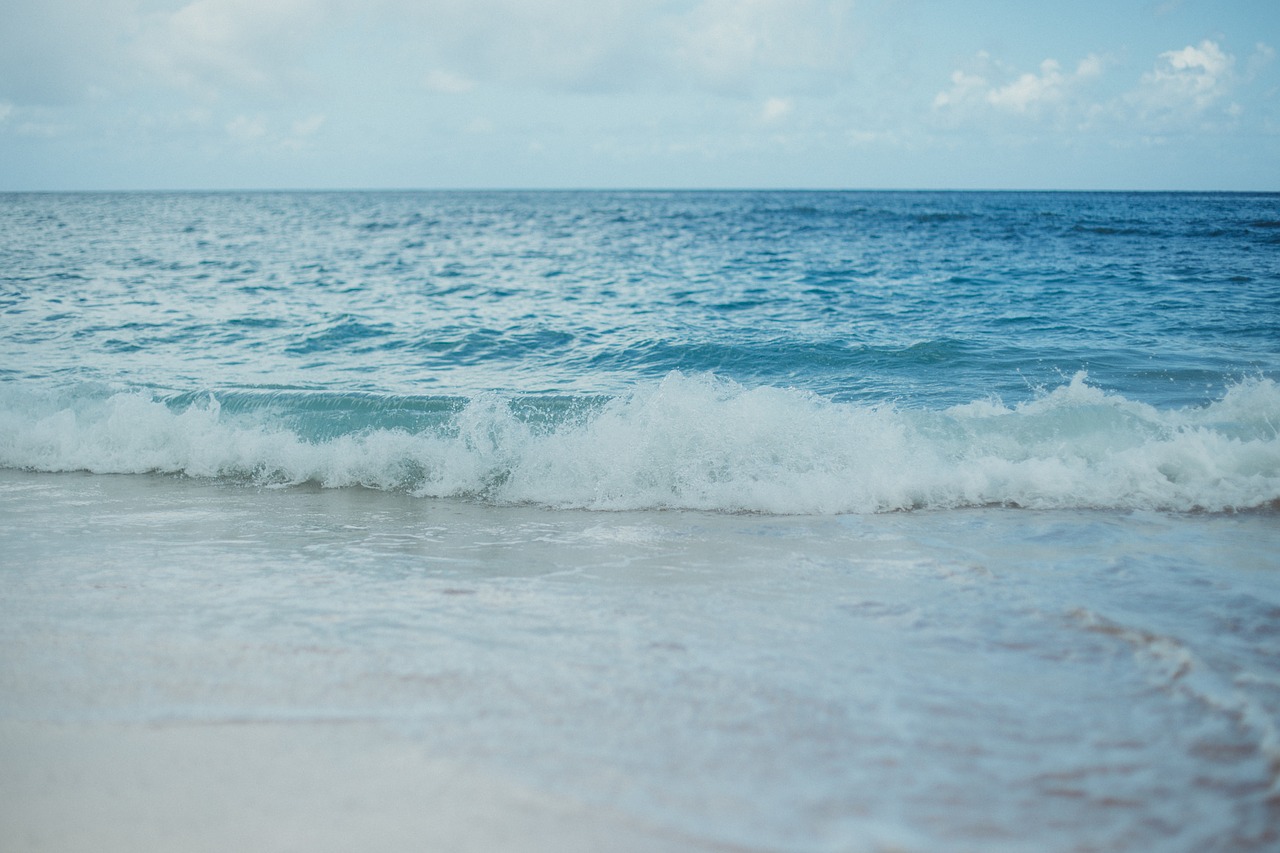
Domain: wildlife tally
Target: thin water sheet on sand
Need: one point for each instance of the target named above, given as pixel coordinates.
(203, 665)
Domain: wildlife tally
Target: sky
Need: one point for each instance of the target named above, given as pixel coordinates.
(857, 94)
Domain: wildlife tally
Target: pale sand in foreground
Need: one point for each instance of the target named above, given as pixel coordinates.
(277, 787)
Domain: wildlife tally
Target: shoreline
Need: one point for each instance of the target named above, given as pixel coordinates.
(193, 666)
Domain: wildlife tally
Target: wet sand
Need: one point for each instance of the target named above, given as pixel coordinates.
(278, 787)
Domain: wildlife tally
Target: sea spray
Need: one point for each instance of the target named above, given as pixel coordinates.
(690, 442)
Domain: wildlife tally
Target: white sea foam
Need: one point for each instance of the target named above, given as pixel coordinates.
(704, 443)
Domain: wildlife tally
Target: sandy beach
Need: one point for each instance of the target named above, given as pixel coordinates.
(195, 666)
(279, 787)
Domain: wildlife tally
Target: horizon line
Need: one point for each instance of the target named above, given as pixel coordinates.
(625, 189)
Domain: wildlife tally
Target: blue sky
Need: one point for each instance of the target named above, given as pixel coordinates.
(1073, 94)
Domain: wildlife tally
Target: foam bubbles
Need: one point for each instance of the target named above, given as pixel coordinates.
(699, 442)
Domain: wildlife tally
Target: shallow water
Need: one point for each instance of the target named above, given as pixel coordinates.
(985, 678)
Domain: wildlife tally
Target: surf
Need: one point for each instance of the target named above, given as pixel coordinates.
(699, 442)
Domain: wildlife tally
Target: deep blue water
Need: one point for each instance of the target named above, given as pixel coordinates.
(525, 329)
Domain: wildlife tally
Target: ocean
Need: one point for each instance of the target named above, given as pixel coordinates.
(804, 521)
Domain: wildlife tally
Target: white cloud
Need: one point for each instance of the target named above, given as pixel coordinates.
(730, 43)
(965, 88)
(553, 44)
(6, 110)
(1190, 84)
(1027, 93)
(734, 46)
(255, 130)
(1030, 90)
(247, 128)
(775, 110)
(301, 131)
(1050, 86)
(307, 126)
(1090, 66)
(447, 83)
(1188, 87)
(208, 46)
(52, 50)
(1193, 78)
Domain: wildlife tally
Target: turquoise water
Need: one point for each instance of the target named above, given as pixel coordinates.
(805, 521)
(634, 350)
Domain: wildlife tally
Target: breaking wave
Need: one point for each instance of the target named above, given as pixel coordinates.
(687, 442)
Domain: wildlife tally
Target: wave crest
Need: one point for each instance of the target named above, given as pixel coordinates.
(688, 442)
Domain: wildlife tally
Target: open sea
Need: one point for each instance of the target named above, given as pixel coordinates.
(763, 521)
